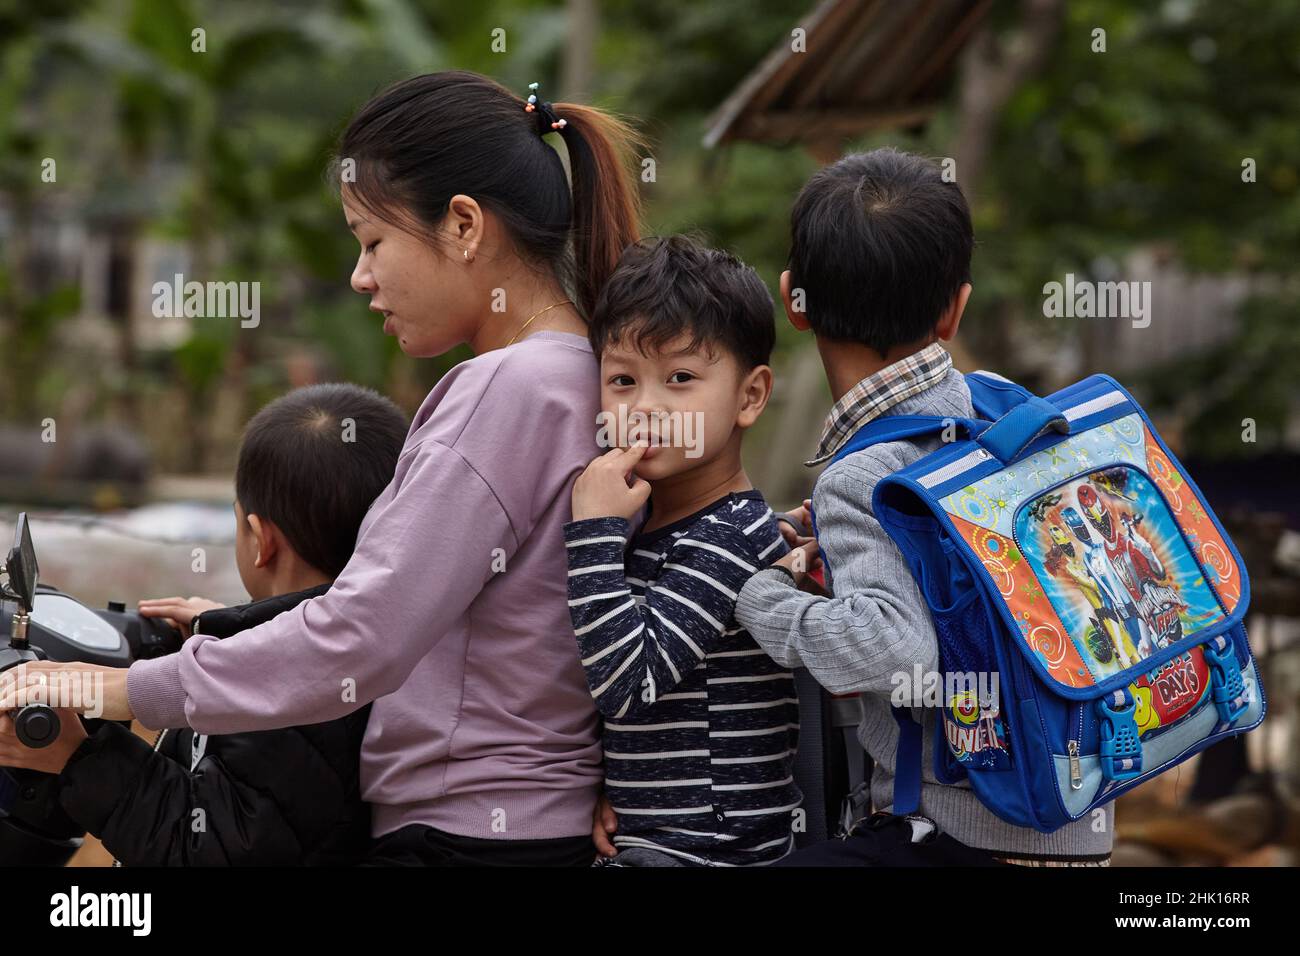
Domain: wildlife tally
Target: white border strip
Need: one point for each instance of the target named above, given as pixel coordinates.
(954, 468)
(1094, 405)
(977, 457)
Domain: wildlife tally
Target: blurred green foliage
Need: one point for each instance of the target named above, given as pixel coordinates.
(1092, 158)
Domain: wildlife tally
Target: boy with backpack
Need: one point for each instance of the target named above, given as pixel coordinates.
(879, 271)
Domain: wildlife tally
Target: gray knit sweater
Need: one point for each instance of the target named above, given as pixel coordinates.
(877, 625)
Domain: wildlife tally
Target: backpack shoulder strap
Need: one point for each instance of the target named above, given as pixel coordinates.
(907, 763)
(992, 396)
(896, 427)
(907, 767)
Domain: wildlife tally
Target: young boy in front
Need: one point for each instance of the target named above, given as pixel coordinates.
(310, 464)
(879, 270)
(700, 725)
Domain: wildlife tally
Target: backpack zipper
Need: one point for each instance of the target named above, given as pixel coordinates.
(1072, 747)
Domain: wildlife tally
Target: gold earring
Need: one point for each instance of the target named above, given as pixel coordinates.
(467, 258)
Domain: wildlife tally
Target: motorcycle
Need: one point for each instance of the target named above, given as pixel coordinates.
(44, 623)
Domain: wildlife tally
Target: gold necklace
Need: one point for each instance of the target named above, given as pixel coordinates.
(533, 316)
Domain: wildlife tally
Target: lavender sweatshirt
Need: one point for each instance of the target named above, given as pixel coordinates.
(452, 616)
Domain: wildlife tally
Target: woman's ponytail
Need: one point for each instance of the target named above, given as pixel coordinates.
(606, 204)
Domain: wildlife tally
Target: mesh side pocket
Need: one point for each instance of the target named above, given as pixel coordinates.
(963, 635)
(974, 727)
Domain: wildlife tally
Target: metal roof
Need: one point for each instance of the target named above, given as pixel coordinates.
(866, 64)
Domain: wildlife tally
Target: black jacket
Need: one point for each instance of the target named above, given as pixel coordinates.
(276, 797)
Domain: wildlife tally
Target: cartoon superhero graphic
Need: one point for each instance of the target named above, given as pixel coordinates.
(1113, 481)
(1123, 580)
(1136, 565)
(1116, 605)
(1160, 603)
(1144, 558)
(1120, 558)
(1042, 505)
(1062, 561)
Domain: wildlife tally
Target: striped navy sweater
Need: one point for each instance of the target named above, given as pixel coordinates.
(700, 724)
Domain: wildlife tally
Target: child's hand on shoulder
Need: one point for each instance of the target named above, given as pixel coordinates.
(796, 526)
(604, 491)
(799, 562)
(179, 612)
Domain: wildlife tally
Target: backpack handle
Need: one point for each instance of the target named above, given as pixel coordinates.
(1011, 434)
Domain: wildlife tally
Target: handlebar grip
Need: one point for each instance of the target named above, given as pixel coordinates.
(162, 638)
(36, 726)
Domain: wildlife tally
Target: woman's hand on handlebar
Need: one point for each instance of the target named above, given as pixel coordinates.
(88, 689)
(51, 759)
(178, 611)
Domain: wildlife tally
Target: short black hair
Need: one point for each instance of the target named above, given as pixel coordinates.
(880, 244)
(314, 460)
(672, 286)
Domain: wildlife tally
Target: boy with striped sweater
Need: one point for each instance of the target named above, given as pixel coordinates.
(700, 724)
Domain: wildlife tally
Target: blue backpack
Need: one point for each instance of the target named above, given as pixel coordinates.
(1088, 605)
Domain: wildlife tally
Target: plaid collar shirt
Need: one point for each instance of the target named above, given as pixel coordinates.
(879, 392)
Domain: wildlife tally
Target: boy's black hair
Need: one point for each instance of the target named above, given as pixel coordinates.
(880, 244)
(312, 461)
(672, 286)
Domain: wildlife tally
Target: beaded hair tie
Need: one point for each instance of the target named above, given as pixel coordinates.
(543, 109)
